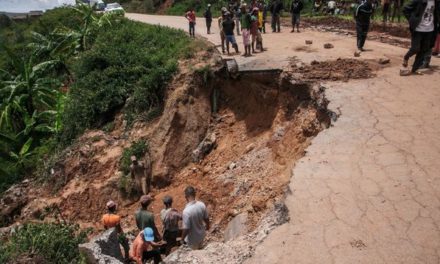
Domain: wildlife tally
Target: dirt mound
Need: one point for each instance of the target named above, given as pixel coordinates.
(337, 70)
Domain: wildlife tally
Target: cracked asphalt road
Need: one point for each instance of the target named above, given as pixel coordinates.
(368, 189)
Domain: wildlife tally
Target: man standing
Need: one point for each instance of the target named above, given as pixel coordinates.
(295, 10)
(228, 28)
(237, 17)
(245, 30)
(362, 16)
(386, 10)
(141, 173)
(112, 220)
(423, 18)
(191, 16)
(145, 218)
(220, 26)
(276, 9)
(208, 17)
(170, 220)
(195, 220)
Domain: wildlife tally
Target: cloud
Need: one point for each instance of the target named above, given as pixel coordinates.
(28, 5)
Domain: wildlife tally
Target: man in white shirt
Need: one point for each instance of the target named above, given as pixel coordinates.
(423, 18)
(195, 220)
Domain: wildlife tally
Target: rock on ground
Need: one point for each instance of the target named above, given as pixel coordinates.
(103, 249)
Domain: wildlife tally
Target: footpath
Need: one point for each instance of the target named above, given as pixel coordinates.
(368, 188)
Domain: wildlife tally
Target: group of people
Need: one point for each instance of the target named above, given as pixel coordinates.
(424, 24)
(149, 242)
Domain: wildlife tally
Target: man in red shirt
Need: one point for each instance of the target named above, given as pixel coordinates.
(191, 16)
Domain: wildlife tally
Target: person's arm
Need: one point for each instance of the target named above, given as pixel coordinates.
(139, 253)
(118, 228)
(206, 219)
(409, 8)
(132, 171)
(186, 225)
(301, 5)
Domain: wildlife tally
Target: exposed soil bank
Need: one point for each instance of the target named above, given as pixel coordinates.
(260, 125)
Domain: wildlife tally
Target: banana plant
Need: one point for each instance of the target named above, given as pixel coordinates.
(22, 156)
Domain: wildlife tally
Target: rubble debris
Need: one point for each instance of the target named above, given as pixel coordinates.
(328, 46)
(383, 61)
(309, 42)
(357, 53)
(236, 227)
(203, 149)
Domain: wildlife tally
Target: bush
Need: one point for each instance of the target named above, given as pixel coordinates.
(56, 243)
(138, 149)
(136, 66)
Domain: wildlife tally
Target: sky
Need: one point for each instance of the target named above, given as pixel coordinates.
(19, 6)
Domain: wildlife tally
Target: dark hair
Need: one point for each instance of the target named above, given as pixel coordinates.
(190, 191)
(167, 200)
(111, 209)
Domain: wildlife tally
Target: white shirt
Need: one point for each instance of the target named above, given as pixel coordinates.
(193, 218)
(427, 22)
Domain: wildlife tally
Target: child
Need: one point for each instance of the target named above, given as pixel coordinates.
(295, 10)
(245, 30)
(191, 16)
(254, 27)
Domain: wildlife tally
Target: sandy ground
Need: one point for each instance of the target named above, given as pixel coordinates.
(368, 189)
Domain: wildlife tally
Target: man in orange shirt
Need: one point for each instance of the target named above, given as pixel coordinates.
(145, 248)
(112, 220)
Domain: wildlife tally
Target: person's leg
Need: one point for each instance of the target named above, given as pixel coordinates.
(425, 40)
(298, 19)
(436, 50)
(237, 23)
(293, 23)
(415, 47)
(364, 35)
(278, 23)
(273, 22)
(222, 37)
(253, 42)
(234, 44)
(154, 254)
(264, 26)
(227, 45)
(124, 243)
(358, 36)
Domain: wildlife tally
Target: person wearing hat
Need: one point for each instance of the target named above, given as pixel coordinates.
(170, 221)
(112, 220)
(144, 247)
(208, 17)
(141, 173)
(144, 218)
(220, 26)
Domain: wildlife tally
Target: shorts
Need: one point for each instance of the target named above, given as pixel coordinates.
(246, 37)
(231, 38)
(295, 19)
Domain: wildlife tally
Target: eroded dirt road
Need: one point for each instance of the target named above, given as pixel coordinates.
(368, 189)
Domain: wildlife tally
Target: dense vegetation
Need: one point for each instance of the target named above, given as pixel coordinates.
(49, 243)
(72, 70)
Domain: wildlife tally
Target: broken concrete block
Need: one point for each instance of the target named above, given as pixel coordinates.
(405, 72)
(328, 46)
(236, 227)
(203, 149)
(384, 61)
(309, 42)
(103, 249)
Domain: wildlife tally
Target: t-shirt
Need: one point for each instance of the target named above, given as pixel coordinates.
(427, 22)
(170, 218)
(194, 215)
(246, 21)
(144, 219)
(111, 220)
(228, 27)
(138, 247)
(191, 16)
